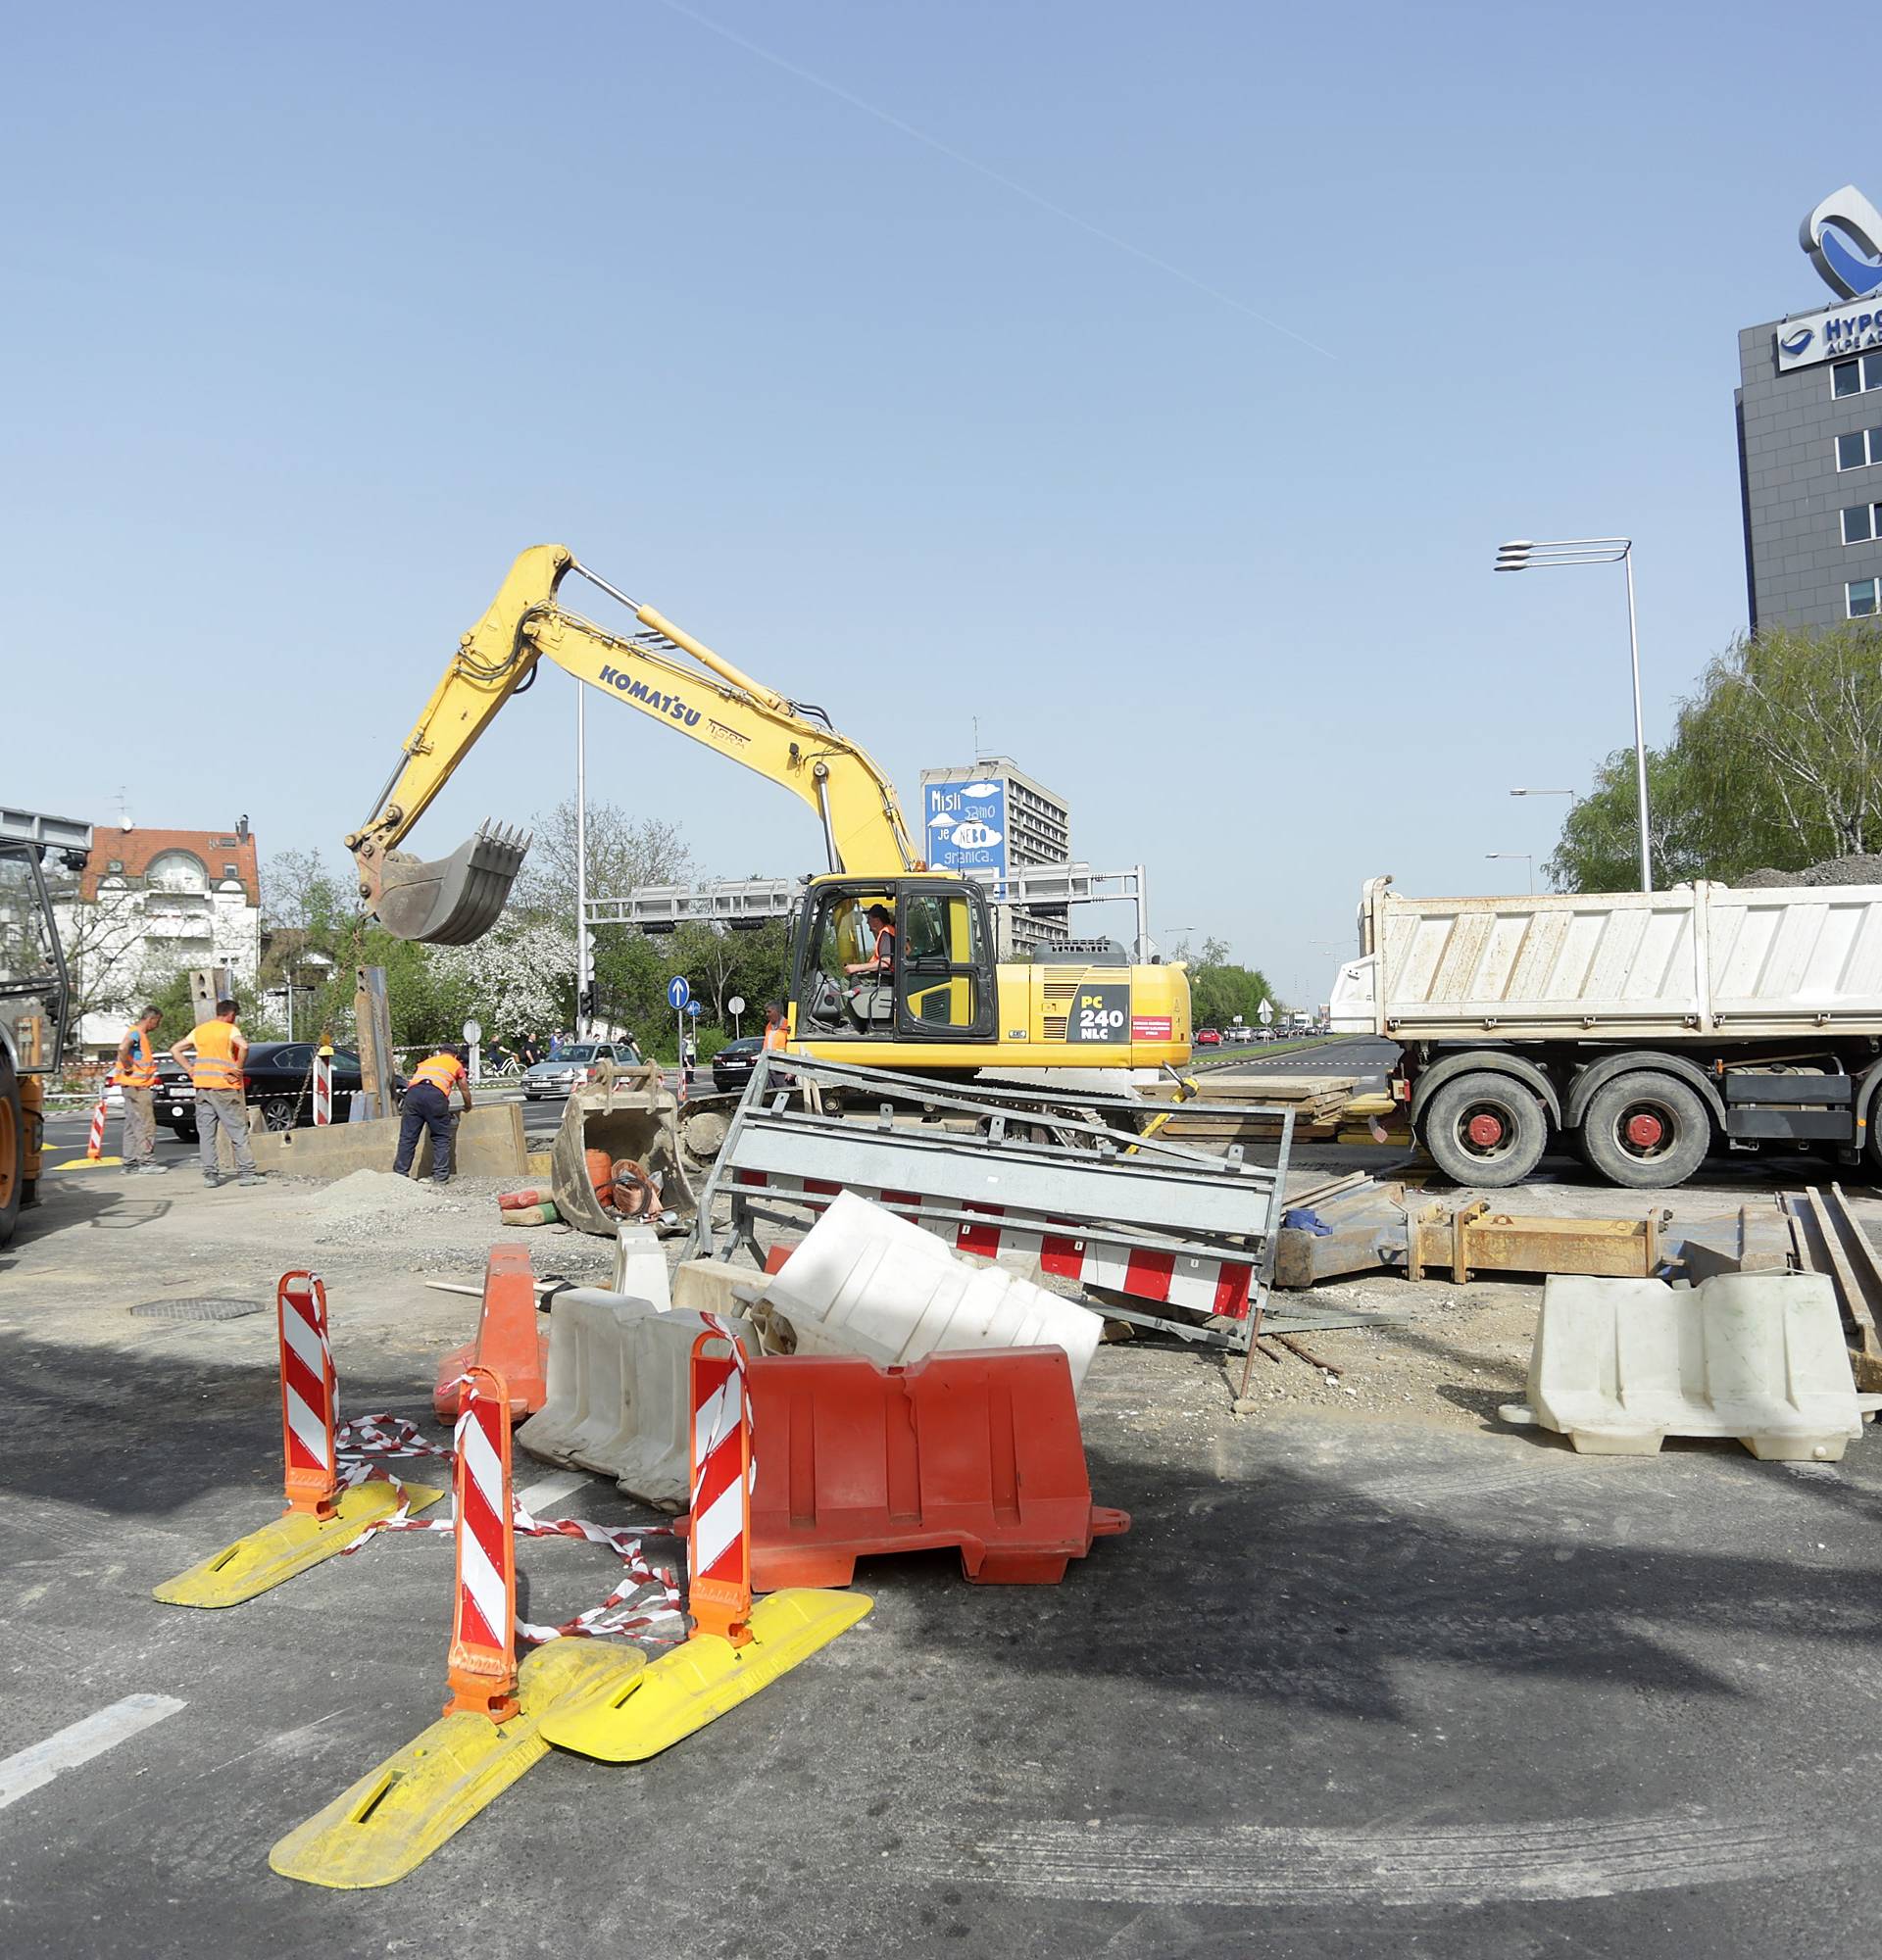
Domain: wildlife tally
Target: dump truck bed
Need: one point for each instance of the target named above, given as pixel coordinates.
(1704, 959)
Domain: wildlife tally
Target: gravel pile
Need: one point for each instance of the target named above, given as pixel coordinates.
(1865, 868)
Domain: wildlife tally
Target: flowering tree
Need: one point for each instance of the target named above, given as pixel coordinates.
(516, 981)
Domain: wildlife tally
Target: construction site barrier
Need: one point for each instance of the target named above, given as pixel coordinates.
(323, 1086)
(719, 1545)
(980, 1452)
(507, 1340)
(865, 1282)
(309, 1396)
(1619, 1365)
(483, 1666)
(618, 1392)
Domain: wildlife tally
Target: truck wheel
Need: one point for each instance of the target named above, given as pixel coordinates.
(1646, 1129)
(1484, 1129)
(13, 1149)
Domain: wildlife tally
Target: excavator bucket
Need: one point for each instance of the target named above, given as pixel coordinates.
(451, 900)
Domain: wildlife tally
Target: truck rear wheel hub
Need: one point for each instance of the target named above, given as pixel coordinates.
(1644, 1131)
(1484, 1130)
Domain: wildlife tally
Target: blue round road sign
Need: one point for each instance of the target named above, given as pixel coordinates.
(692, 1007)
(678, 992)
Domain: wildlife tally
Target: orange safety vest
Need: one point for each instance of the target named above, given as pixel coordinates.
(142, 1072)
(215, 1067)
(778, 1037)
(442, 1071)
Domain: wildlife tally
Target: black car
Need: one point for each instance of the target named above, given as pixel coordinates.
(278, 1080)
(732, 1066)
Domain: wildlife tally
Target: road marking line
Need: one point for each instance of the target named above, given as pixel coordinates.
(551, 1491)
(33, 1768)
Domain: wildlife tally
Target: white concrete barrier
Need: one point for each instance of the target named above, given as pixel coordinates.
(1619, 1365)
(618, 1398)
(865, 1282)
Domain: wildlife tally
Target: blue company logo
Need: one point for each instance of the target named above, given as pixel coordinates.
(638, 690)
(1793, 344)
(1846, 214)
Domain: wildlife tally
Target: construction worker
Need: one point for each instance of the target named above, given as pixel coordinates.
(136, 1076)
(880, 965)
(777, 1027)
(214, 1052)
(877, 971)
(428, 1107)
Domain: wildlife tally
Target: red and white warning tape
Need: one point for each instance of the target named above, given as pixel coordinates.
(367, 1443)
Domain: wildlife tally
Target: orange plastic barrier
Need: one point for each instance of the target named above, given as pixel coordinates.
(978, 1451)
(511, 1340)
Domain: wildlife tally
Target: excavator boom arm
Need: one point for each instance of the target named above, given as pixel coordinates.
(661, 670)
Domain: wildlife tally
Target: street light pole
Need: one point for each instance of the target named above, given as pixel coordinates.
(1640, 737)
(1527, 857)
(1522, 555)
(582, 854)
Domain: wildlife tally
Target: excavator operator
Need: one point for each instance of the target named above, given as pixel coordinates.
(872, 998)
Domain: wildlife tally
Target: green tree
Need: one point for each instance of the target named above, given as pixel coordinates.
(1599, 849)
(1221, 988)
(1776, 760)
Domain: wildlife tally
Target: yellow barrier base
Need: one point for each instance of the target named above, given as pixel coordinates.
(393, 1819)
(683, 1690)
(290, 1544)
(90, 1163)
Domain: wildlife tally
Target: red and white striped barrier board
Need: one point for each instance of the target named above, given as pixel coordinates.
(323, 1086)
(1205, 1286)
(483, 1666)
(720, 1548)
(310, 1402)
(95, 1143)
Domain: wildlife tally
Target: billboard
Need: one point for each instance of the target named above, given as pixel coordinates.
(966, 825)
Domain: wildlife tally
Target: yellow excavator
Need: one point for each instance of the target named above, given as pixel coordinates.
(943, 1003)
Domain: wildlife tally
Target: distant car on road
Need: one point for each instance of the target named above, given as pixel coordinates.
(570, 1071)
(277, 1078)
(1208, 1038)
(732, 1066)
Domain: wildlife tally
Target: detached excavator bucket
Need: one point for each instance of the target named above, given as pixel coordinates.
(451, 900)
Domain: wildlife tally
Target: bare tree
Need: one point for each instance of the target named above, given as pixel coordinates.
(622, 852)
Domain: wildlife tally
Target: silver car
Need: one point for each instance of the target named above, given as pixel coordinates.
(567, 1072)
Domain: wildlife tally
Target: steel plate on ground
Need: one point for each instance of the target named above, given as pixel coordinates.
(202, 1307)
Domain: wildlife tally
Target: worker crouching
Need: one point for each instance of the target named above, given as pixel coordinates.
(428, 1107)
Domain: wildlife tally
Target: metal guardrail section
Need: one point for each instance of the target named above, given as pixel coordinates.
(1069, 1175)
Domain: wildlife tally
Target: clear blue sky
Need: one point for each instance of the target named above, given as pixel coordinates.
(314, 320)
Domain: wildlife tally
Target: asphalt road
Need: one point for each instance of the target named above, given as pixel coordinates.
(1344, 1688)
(1349, 1686)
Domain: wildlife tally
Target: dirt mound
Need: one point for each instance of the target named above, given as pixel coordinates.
(369, 1191)
(1865, 868)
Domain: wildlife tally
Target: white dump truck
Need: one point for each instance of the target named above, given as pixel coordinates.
(1641, 1029)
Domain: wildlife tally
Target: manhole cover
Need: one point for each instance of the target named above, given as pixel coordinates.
(197, 1310)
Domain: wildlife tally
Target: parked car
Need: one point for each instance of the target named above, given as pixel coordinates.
(277, 1078)
(570, 1071)
(732, 1066)
(1208, 1038)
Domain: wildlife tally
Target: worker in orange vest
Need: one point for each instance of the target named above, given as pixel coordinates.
(428, 1107)
(214, 1052)
(777, 1030)
(136, 1076)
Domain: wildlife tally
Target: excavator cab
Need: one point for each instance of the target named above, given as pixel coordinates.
(941, 986)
